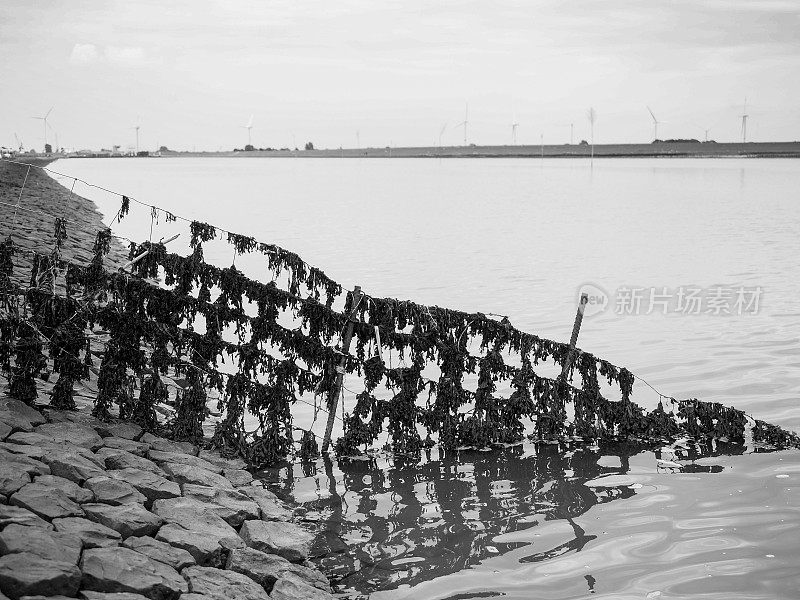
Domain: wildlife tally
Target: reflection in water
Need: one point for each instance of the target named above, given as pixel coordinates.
(387, 524)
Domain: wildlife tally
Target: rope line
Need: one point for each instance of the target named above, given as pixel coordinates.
(154, 210)
(174, 385)
(70, 221)
(19, 199)
(153, 214)
(140, 202)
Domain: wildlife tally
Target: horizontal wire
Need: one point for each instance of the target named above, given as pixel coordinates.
(185, 219)
(140, 202)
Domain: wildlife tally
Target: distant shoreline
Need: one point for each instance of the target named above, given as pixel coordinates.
(659, 150)
(575, 151)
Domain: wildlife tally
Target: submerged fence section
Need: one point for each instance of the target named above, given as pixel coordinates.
(167, 329)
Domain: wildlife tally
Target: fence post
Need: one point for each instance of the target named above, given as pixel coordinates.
(573, 340)
(333, 394)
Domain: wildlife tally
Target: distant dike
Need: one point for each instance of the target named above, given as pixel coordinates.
(656, 150)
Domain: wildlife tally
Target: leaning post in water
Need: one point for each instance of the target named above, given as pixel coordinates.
(333, 394)
(573, 340)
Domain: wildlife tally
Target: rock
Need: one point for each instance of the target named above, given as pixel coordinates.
(43, 448)
(41, 542)
(135, 448)
(292, 587)
(233, 506)
(216, 458)
(151, 485)
(238, 477)
(194, 515)
(271, 507)
(31, 466)
(204, 549)
(275, 537)
(164, 445)
(275, 512)
(109, 490)
(5, 430)
(257, 490)
(29, 438)
(15, 422)
(73, 491)
(218, 584)
(74, 416)
(21, 516)
(116, 459)
(177, 558)
(123, 570)
(266, 569)
(46, 501)
(127, 519)
(93, 535)
(128, 431)
(25, 574)
(74, 467)
(18, 415)
(189, 474)
(72, 433)
(54, 415)
(44, 598)
(54, 449)
(179, 458)
(90, 595)
(35, 452)
(13, 476)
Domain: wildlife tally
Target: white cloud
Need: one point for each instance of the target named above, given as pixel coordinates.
(114, 55)
(84, 53)
(125, 55)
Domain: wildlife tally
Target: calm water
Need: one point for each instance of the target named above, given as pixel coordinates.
(520, 238)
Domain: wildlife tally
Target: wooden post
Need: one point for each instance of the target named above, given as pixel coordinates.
(378, 342)
(333, 394)
(573, 340)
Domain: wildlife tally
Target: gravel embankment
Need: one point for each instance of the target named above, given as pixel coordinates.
(90, 509)
(105, 511)
(41, 201)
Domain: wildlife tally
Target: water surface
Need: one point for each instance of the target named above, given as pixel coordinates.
(519, 237)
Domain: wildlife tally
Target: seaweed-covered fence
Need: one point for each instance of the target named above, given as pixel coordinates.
(173, 320)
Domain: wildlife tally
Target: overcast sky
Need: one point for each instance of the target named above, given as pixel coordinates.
(192, 72)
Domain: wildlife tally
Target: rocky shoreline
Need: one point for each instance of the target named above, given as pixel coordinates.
(104, 511)
(42, 199)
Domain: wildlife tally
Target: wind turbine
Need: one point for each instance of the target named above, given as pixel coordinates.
(464, 123)
(55, 133)
(249, 126)
(136, 127)
(44, 119)
(744, 122)
(655, 124)
(19, 142)
(358, 139)
(591, 114)
(441, 133)
(514, 126)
